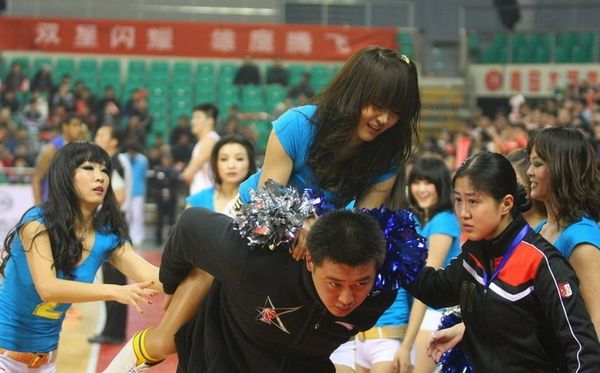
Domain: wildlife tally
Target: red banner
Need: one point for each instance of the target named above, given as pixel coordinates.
(187, 39)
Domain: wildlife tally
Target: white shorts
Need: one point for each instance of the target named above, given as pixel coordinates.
(372, 351)
(432, 319)
(344, 354)
(8, 365)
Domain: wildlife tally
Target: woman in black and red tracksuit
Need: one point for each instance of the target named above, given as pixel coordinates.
(519, 297)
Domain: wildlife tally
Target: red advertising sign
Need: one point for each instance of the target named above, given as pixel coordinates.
(189, 39)
(535, 80)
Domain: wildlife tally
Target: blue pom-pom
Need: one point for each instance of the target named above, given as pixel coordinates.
(406, 250)
(454, 360)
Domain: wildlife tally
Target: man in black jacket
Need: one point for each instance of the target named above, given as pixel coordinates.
(267, 312)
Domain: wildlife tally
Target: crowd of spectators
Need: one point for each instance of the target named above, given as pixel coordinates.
(31, 110)
(575, 105)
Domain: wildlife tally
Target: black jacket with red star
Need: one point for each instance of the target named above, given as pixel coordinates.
(262, 313)
(530, 319)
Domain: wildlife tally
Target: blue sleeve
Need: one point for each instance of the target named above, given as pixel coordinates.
(295, 131)
(444, 222)
(33, 214)
(585, 231)
(204, 198)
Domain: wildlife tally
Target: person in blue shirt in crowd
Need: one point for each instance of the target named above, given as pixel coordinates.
(347, 144)
(135, 213)
(430, 197)
(565, 175)
(52, 255)
(387, 346)
(231, 162)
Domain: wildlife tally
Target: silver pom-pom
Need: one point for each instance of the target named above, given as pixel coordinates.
(274, 215)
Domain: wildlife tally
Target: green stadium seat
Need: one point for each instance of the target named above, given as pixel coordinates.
(183, 77)
(587, 39)
(562, 54)
(274, 95)
(159, 71)
(473, 42)
(500, 40)
(490, 55)
(319, 76)
(523, 55)
(88, 66)
(228, 95)
(181, 107)
(110, 66)
(181, 89)
(580, 54)
(136, 66)
(542, 54)
(539, 39)
(296, 72)
(253, 100)
(158, 88)
(205, 94)
(566, 39)
(63, 66)
(205, 68)
(227, 73)
(184, 67)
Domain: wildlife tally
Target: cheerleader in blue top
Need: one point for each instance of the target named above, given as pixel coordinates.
(564, 175)
(430, 197)
(231, 162)
(348, 144)
(52, 255)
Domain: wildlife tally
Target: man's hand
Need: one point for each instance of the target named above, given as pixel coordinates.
(443, 340)
(299, 250)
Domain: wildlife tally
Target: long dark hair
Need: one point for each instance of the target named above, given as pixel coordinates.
(492, 173)
(435, 171)
(574, 172)
(232, 139)
(62, 210)
(376, 76)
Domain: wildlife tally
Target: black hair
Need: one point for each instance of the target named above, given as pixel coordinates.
(346, 237)
(435, 171)
(62, 210)
(372, 76)
(493, 174)
(210, 110)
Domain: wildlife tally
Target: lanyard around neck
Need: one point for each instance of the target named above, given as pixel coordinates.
(515, 242)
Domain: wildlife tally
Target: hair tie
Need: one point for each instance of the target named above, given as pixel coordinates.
(405, 59)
